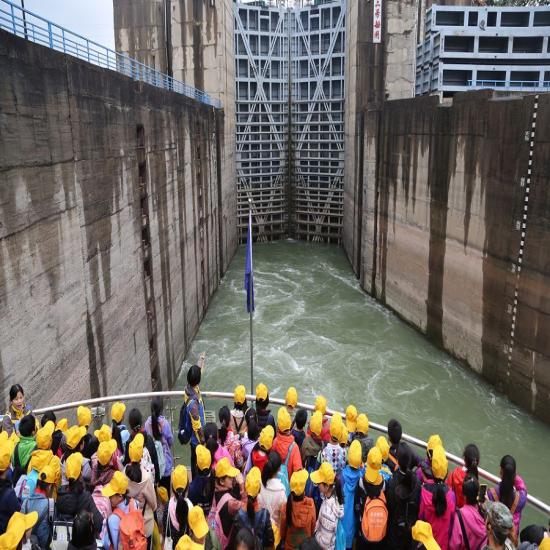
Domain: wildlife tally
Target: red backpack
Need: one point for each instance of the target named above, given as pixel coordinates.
(374, 522)
(131, 532)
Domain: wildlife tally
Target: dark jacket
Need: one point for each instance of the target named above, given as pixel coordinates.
(90, 547)
(9, 504)
(69, 504)
(264, 418)
(150, 446)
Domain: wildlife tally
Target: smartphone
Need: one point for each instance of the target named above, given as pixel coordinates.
(482, 493)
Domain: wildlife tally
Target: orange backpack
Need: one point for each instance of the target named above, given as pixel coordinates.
(374, 522)
(131, 532)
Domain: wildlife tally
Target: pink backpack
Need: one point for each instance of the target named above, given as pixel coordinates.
(215, 522)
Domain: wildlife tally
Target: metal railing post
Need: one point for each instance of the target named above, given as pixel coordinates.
(63, 40)
(50, 36)
(13, 20)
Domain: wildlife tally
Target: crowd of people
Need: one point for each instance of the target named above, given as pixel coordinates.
(257, 479)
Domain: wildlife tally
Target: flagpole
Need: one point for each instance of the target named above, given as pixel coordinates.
(251, 309)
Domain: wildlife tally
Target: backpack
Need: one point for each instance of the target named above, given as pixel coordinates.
(160, 457)
(26, 485)
(340, 543)
(219, 539)
(131, 531)
(374, 522)
(186, 427)
(312, 490)
(258, 529)
(282, 474)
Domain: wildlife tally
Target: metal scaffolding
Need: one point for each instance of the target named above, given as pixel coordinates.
(290, 119)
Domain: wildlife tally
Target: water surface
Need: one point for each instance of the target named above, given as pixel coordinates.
(314, 328)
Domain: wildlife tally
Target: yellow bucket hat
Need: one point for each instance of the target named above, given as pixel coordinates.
(344, 435)
(117, 411)
(433, 442)
(187, 543)
(62, 425)
(44, 436)
(18, 525)
(351, 418)
(117, 486)
(362, 425)
(266, 437)
(224, 469)
(298, 482)
(316, 423)
(6, 450)
(355, 454)
(239, 395)
(336, 426)
(104, 433)
(261, 392)
(291, 398)
(325, 474)
(383, 446)
(253, 482)
(74, 435)
(422, 532)
(439, 463)
(73, 466)
(374, 463)
(204, 458)
(180, 478)
(105, 451)
(283, 420)
(39, 459)
(135, 449)
(48, 474)
(321, 404)
(84, 416)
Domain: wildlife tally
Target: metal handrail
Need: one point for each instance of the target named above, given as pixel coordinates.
(535, 502)
(26, 24)
(521, 84)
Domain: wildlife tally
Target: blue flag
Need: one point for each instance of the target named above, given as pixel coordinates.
(248, 273)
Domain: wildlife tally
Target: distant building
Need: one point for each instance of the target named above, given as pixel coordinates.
(467, 48)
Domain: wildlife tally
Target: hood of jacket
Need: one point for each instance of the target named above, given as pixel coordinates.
(302, 510)
(282, 443)
(310, 447)
(351, 477)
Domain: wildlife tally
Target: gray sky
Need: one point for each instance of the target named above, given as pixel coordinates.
(92, 19)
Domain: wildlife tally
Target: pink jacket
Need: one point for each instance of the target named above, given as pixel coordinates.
(474, 525)
(219, 454)
(441, 526)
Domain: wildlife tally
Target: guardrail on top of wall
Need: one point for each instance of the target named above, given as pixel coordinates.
(30, 26)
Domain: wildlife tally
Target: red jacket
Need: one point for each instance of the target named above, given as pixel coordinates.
(281, 444)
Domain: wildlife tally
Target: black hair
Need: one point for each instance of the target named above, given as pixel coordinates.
(470, 489)
(250, 415)
(76, 486)
(211, 438)
(182, 509)
(250, 509)
(135, 419)
(224, 416)
(471, 459)
(508, 466)
(133, 472)
(395, 431)
(42, 485)
(194, 375)
(27, 425)
(209, 486)
(83, 530)
(47, 417)
(533, 534)
(115, 431)
(14, 390)
(262, 404)
(156, 411)
(246, 537)
(271, 467)
(241, 406)
(91, 445)
(300, 419)
(339, 492)
(253, 430)
(439, 497)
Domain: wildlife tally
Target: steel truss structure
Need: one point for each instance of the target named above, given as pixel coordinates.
(290, 119)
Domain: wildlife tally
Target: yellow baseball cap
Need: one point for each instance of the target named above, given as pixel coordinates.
(62, 425)
(316, 423)
(433, 442)
(545, 544)
(135, 449)
(39, 459)
(105, 451)
(351, 418)
(362, 425)
(374, 463)
(336, 425)
(224, 469)
(6, 450)
(104, 433)
(74, 435)
(162, 495)
(439, 463)
(44, 436)
(48, 474)
(117, 486)
(84, 416)
(344, 435)
(197, 522)
(321, 404)
(180, 479)
(117, 411)
(239, 395)
(266, 437)
(325, 474)
(253, 482)
(18, 525)
(384, 446)
(291, 398)
(204, 457)
(355, 454)
(298, 482)
(261, 392)
(283, 420)
(186, 543)
(73, 466)
(55, 465)
(422, 532)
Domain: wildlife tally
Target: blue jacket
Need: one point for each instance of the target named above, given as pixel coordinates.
(192, 409)
(42, 530)
(350, 478)
(8, 504)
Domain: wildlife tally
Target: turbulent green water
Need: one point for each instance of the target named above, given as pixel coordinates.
(315, 329)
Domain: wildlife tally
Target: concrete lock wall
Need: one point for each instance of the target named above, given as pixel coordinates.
(455, 231)
(111, 238)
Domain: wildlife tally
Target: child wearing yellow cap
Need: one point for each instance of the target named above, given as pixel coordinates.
(8, 498)
(105, 462)
(321, 406)
(298, 514)
(253, 516)
(291, 402)
(351, 476)
(263, 414)
(424, 471)
(259, 455)
(333, 453)
(201, 489)
(362, 434)
(118, 430)
(179, 505)
(240, 407)
(285, 445)
(312, 446)
(57, 434)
